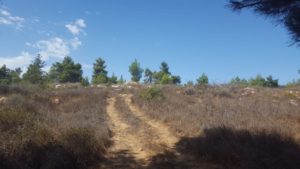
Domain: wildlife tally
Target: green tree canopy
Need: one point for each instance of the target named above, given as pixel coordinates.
(113, 79)
(166, 79)
(164, 68)
(157, 76)
(135, 71)
(8, 76)
(202, 80)
(66, 71)
(164, 76)
(270, 82)
(257, 81)
(35, 74)
(16, 75)
(5, 77)
(176, 80)
(100, 73)
(237, 80)
(148, 74)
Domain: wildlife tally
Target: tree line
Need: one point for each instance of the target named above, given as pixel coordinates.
(67, 71)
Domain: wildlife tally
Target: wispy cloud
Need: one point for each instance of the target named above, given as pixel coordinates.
(76, 27)
(55, 47)
(6, 18)
(75, 43)
(81, 23)
(51, 49)
(21, 60)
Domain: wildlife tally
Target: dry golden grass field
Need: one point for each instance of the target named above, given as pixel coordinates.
(159, 127)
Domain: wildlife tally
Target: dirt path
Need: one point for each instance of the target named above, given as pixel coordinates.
(134, 143)
(123, 141)
(140, 142)
(161, 130)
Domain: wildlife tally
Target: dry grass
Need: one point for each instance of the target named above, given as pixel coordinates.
(218, 127)
(226, 148)
(222, 128)
(53, 129)
(188, 111)
(146, 134)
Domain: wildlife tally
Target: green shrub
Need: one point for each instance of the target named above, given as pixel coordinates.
(152, 93)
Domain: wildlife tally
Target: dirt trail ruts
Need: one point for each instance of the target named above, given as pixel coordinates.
(123, 141)
(131, 130)
(161, 130)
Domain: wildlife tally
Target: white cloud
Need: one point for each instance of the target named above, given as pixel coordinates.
(6, 18)
(22, 60)
(80, 23)
(75, 43)
(5, 13)
(28, 44)
(75, 30)
(76, 27)
(55, 47)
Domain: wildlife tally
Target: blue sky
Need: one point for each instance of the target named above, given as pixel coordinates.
(192, 36)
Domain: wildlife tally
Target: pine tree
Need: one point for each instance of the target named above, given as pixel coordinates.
(100, 73)
(113, 79)
(135, 71)
(164, 68)
(148, 74)
(202, 80)
(35, 74)
(66, 71)
(5, 78)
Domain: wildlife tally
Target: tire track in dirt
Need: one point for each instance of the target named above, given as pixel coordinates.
(162, 131)
(124, 141)
(133, 132)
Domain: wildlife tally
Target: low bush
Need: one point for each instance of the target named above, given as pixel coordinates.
(37, 133)
(151, 94)
(76, 148)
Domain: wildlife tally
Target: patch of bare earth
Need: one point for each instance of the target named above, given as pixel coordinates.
(160, 129)
(132, 132)
(127, 148)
